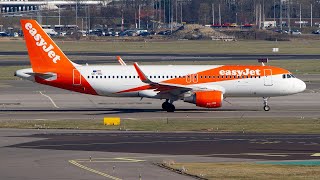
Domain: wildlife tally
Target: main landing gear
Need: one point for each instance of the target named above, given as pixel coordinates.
(169, 107)
(265, 103)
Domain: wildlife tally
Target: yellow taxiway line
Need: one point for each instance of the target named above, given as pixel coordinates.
(93, 170)
(76, 162)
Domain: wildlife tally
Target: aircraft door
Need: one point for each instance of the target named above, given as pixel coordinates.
(192, 78)
(268, 77)
(195, 78)
(188, 78)
(76, 77)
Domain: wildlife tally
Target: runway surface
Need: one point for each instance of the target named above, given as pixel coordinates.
(70, 154)
(257, 146)
(107, 58)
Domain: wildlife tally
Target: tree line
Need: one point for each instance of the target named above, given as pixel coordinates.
(160, 13)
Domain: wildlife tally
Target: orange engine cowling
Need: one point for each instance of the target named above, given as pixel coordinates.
(206, 99)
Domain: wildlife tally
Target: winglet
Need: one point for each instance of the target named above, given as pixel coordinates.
(142, 76)
(121, 61)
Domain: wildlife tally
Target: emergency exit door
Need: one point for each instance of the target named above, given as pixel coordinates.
(268, 77)
(76, 77)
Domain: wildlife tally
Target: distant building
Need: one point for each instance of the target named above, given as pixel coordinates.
(13, 6)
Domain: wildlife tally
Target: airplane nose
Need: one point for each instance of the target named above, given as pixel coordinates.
(301, 86)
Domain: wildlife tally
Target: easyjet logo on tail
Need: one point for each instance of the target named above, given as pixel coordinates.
(245, 72)
(49, 49)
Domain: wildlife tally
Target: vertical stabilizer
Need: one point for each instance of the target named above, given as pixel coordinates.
(44, 54)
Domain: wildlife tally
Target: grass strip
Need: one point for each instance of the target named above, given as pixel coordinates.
(219, 125)
(247, 171)
(7, 72)
(242, 47)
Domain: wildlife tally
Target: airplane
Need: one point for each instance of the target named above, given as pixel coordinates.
(203, 85)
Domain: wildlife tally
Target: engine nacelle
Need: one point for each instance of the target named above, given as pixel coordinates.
(206, 99)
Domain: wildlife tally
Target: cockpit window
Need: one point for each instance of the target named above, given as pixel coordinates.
(284, 76)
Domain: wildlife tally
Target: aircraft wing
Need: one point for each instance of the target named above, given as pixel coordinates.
(175, 89)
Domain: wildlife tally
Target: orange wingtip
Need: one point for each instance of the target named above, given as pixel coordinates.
(140, 73)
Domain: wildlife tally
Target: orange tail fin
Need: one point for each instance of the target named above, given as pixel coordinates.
(47, 58)
(44, 54)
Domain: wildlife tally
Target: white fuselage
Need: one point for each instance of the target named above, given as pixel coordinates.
(109, 80)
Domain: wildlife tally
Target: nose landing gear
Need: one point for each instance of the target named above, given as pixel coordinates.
(265, 103)
(169, 107)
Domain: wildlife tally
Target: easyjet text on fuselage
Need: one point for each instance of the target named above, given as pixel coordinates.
(246, 72)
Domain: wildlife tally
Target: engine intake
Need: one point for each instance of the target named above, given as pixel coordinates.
(206, 99)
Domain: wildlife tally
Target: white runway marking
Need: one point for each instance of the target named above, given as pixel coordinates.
(54, 104)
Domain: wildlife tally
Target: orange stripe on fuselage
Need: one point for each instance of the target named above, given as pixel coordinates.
(223, 73)
(228, 72)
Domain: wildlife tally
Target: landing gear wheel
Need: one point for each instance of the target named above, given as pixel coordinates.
(266, 108)
(168, 106)
(165, 106)
(265, 103)
(171, 108)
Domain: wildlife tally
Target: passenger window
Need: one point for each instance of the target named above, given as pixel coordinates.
(288, 76)
(283, 76)
(97, 77)
(88, 77)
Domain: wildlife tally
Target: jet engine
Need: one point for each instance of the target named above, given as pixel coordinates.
(206, 99)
